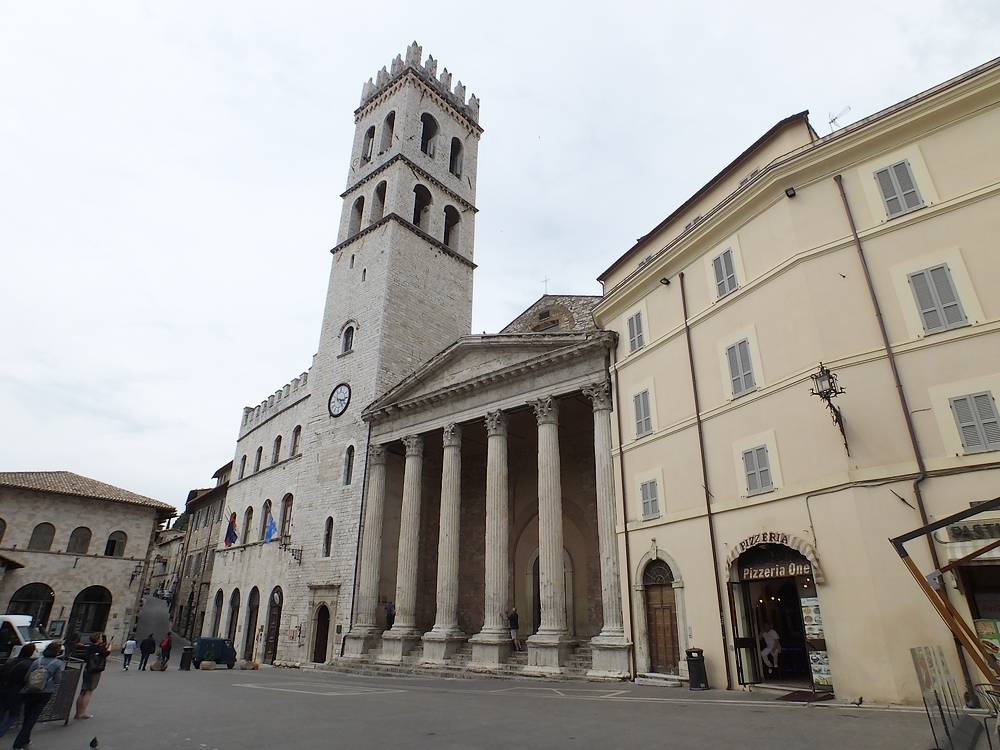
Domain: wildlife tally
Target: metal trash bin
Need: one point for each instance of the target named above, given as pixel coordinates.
(186, 656)
(697, 676)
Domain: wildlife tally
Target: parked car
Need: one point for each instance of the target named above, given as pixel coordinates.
(219, 650)
(16, 631)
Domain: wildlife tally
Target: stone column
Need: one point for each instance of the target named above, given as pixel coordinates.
(362, 636)
(396, 643)
(491, 646)
(549, 648)
(610, 649)
(446, 637)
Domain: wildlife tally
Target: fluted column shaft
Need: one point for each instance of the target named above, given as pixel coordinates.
(552, 582)
(409, 537)
(371, 540)
(611, 598)
(446, 616)
(497, 525)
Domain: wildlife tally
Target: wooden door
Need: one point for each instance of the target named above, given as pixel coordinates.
(322, 634)
(271, 639)
(661, 624)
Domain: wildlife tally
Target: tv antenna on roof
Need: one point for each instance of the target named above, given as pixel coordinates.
(834, 121)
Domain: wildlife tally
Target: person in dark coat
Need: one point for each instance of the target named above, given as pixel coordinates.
(95, 661)
(12, 675)
(35, 701)
(146, 649)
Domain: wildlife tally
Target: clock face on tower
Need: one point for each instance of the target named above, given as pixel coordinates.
(339, 399)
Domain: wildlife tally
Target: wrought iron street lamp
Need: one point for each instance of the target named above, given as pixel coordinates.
(825, 386)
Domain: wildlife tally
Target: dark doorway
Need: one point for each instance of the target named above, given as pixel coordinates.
(661, 618)
(322, 634)
(273, 626)
(217, 614)
(35, 599)
(253, 604)
(90, 611)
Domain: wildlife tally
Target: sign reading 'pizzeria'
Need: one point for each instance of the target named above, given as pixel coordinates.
(765, 537)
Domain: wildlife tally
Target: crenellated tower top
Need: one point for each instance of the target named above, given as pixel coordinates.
(428, 73)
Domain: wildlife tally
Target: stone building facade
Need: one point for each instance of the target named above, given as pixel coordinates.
(400, 290)
(872, 250)
(166, 564)
(205, 509)
(81, 546)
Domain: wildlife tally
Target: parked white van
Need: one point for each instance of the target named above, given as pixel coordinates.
(16, 631)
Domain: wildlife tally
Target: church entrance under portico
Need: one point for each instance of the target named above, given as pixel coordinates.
(777, 625)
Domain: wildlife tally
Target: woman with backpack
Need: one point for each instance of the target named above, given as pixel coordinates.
(42, 682)
(12, 676)
(95, 660)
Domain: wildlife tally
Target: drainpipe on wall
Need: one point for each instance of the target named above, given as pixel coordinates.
(357, 548)
(628, 557)
(704, 481)
(908, 419)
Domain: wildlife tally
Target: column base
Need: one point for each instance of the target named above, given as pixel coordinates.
(359, 642)
(548, 653)
(398, 643)
(610, 657)
(441, 645)
(490, 649)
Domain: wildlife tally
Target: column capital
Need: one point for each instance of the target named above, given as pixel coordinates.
(496, 423)
(414, 445)
(599, 394)
(452, 435)
(546, 410)
(376, 454)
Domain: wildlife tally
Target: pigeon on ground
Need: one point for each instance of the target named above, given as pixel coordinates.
(859, 701)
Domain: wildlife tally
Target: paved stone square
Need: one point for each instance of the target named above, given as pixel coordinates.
(305, 709)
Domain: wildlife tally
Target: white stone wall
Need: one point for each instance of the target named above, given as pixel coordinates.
(68, 574)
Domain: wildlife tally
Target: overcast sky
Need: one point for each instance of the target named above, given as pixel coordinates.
(170, 172)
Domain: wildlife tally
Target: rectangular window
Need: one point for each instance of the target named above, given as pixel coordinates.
(740, 368)
(758, 471)
(937, 301)
(650, 500)
(643, 416)
(977, 421)
(725, 273)
(635, 337)
(899, 189)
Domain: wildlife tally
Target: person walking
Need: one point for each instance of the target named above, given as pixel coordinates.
(165, 645)
(513, 624)
(146, 649)
(12, 676)
(44, 678)
(95, 661)
(127, 650)
(390, 614)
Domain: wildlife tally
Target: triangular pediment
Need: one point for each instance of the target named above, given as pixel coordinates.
(478, 359)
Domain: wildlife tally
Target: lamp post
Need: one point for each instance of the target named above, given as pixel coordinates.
(825, 386)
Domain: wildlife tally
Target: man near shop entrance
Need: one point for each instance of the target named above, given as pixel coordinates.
(772, 646)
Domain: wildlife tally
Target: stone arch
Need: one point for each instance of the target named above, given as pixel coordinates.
(641, 639)
(801, 546)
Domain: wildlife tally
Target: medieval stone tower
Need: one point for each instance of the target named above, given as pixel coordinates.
(400, 286)
(400, 290)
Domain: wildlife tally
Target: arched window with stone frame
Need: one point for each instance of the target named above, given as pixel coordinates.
(367, 145)
(451, 221)
(388, 125)
(296, 440)
(357, 212)
(79, 541)
(257, 459)
(265, 517)
(328, 537)
(428, 134)
(243, 466)
(247, 524)
(276, 452)
(348, 465)
(378, 203)
(286, 515)
(421, 207)
(347, 340)
(41, 537)
(455, 157)
(116, 544)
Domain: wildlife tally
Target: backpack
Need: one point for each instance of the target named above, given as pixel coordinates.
(97, 661)
(36, 679)
(165, 643)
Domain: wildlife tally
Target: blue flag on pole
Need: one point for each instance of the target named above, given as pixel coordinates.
(271, 530)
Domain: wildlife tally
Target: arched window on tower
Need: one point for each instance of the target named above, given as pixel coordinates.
(378, 202)
(347, 340)
(364, 273)
(367, 145)
(328, 537)
(455, 160)
(276, 453)
(349, 465)
(247, 524)
(243, 466)
(356, 211)
(257, 458)
(451, 219)
(421, 207)
(286, 515)
(387, 127)
(428, 134)
(265, 517)
(296, 439)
